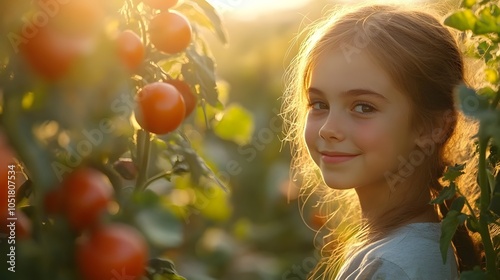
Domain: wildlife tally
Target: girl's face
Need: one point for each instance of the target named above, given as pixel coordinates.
(358, 125)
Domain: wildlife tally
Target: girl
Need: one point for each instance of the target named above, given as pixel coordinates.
(370, 108)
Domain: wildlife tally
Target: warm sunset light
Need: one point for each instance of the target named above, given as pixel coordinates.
(249, 139)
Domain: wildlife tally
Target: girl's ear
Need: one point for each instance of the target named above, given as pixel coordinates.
(437, 131)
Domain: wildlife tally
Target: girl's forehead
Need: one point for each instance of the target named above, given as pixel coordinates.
(340, 70)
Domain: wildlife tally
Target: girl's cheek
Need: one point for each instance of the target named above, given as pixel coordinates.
(311, 133)
(373, 136)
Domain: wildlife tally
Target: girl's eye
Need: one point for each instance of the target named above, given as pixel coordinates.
(318, 105)
(364, 108)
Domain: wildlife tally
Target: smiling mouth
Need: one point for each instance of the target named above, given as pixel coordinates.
(336, 158)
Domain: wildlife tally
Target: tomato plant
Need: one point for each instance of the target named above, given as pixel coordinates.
(67, 101)
(478, 21)
(112, 250)
(160, 108)
(170, 32)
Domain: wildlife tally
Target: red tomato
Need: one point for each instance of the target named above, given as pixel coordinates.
(130, 49)
(51, 54)
(86, 193)
(111, 252)
(53, 202)
(170, 32)
(160, 108)
(190, 98)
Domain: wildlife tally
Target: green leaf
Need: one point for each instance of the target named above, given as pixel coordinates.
(172, 66)
(160, 226)
(484, 50)
(201, 71)
(462, 20)
(495, 198)
(445, 194)
(487, 22)
(472, 104)
(453, 172)
(490, 124)
(487, 92)
(236, 125)
(201, 12)
(472, 225)
(449, 226)
(163, 269)
(458, 204)
(468, 3)
(213, 203)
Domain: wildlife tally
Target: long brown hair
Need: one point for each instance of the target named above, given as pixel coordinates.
(424, 60)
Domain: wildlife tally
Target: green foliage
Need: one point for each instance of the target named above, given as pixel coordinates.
(449, 225)
(482, 20)
(236, 125)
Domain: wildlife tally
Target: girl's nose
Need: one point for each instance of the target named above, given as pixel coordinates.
(332, 129)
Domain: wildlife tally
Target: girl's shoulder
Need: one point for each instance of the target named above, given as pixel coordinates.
(411, 252)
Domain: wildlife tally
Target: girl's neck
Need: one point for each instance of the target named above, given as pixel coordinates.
(384, 208)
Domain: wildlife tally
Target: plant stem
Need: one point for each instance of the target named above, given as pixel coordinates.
(485, 202)
(472, 215)
(143, 148)
(495, 101)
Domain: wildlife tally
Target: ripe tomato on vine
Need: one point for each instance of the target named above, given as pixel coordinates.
(160, 108)
(82, 197)
(130, 49)
(51, 54)
(170, 32)
(115, 249)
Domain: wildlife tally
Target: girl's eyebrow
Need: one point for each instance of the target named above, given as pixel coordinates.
(351, 92)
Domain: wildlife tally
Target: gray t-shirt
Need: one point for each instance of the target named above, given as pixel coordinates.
(410, 252)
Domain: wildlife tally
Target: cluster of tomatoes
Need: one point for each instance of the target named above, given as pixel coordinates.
(162, 106)
(72, 33)
(103, 250)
